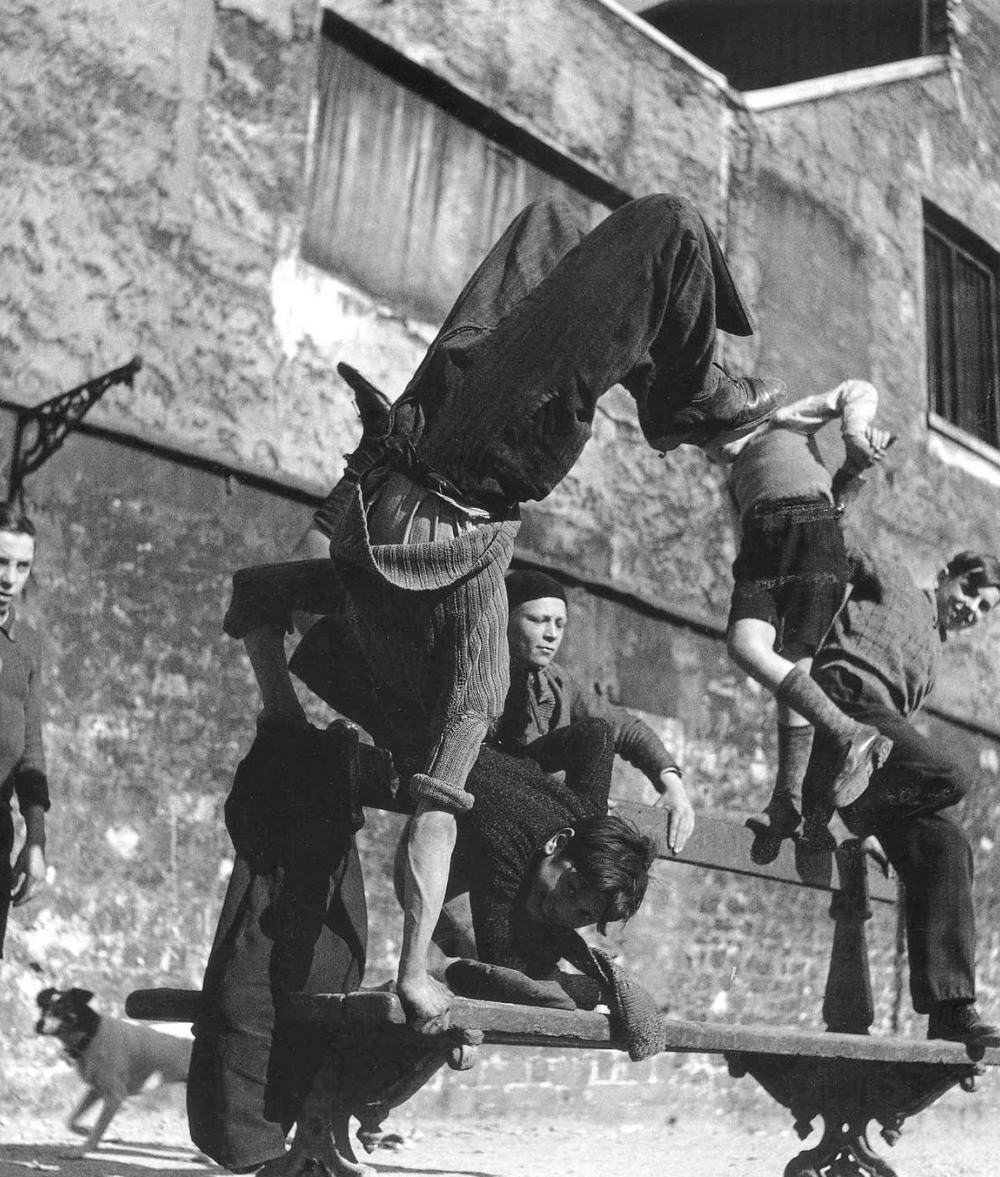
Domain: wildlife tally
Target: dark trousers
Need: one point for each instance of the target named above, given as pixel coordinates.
(552, 318)
(293, 921)
(903, 807)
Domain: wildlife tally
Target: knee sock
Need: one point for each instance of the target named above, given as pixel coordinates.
(803, 695)
(794, 747)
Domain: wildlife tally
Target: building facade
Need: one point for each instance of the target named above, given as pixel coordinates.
(245, 192)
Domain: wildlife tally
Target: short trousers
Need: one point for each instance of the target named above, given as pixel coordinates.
(791, 571)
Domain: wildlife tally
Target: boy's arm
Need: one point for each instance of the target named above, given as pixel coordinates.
(855, 402)
(28, 873)
(638, 745)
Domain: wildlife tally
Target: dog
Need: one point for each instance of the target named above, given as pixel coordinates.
(115, 1059)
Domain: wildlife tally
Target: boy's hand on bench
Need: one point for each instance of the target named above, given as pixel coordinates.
(674, 800)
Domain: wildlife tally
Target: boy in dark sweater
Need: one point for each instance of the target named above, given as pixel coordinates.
(544, 697)
(539, 856)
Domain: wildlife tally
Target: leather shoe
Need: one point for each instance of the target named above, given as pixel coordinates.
(373, 405)
(959, 1021)
(778, 821)
(736, 406)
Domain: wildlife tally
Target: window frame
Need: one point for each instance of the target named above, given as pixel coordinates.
(943, 372)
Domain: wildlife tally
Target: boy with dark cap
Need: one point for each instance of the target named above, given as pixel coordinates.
(544, 697)
(878, 665)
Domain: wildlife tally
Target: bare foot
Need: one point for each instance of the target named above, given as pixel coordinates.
(298, 1164)
(426, 1003)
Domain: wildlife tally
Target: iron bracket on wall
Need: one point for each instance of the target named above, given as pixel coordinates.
(42, 429)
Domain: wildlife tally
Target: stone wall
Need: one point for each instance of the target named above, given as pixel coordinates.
(156, 157)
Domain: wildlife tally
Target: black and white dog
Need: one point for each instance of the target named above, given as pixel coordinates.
(115, 1059)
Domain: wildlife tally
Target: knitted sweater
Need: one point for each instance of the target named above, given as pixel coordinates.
(518, 807)
(887, 635)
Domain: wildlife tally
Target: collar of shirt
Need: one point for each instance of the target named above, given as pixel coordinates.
(938, 625)
(9, 624)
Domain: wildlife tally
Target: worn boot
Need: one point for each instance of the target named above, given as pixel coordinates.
(373, 405)
(780, 817)
(856, 749)
(374, 409)
(959, 1021)
(729, 408)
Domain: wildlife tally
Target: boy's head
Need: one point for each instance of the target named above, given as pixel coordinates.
(968, 588)
(17, 553)
(537, 606)
(596, 873)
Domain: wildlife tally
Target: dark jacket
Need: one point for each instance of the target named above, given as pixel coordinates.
(541, 701)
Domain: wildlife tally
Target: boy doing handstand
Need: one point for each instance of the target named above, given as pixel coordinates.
(790, 577)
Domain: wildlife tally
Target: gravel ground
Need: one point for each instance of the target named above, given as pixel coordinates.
(150, 1135)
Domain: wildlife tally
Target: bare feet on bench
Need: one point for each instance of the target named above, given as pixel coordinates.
(321, 1148)
(425, 1002)
(301, 1165)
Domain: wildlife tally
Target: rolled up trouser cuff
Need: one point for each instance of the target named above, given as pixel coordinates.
(440, 793)
(266, 594)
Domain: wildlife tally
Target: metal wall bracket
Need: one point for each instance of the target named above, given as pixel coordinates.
(42, 429)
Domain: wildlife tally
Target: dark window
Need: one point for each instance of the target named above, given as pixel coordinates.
(406, 195)
(962, 355)
(761, 43)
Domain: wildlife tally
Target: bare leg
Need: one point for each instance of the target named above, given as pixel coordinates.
(265, 648)
(750, 643)
(430, 841)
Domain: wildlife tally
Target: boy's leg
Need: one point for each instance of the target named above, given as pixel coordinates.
(933, 859)
(854, 749)
(632, 303)
(584, 751)
(781, 816)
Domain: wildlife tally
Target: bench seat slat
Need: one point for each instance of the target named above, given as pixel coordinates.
(522, 1025)
(723, 843)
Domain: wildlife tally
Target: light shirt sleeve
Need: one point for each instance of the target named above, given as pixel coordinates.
(855, 402)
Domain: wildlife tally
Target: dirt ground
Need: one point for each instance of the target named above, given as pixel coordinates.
(150, 1136)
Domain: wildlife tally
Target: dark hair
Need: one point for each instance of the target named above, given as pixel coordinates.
(611, 855)
(13, 518)
(984, 570)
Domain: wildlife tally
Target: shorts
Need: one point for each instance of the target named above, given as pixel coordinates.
(791, 571)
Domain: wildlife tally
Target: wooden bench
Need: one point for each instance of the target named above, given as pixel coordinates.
(844, 1076)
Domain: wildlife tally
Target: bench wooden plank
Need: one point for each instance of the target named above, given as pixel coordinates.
(719, 841)
(722, 843)
(522, 1025)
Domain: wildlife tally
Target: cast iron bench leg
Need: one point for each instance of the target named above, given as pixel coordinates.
(843, 1151)
(848, 1005)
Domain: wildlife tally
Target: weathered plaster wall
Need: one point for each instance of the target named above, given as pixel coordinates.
(155, 163)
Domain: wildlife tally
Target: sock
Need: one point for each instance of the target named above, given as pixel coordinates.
(794, 746)
(803, 695)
